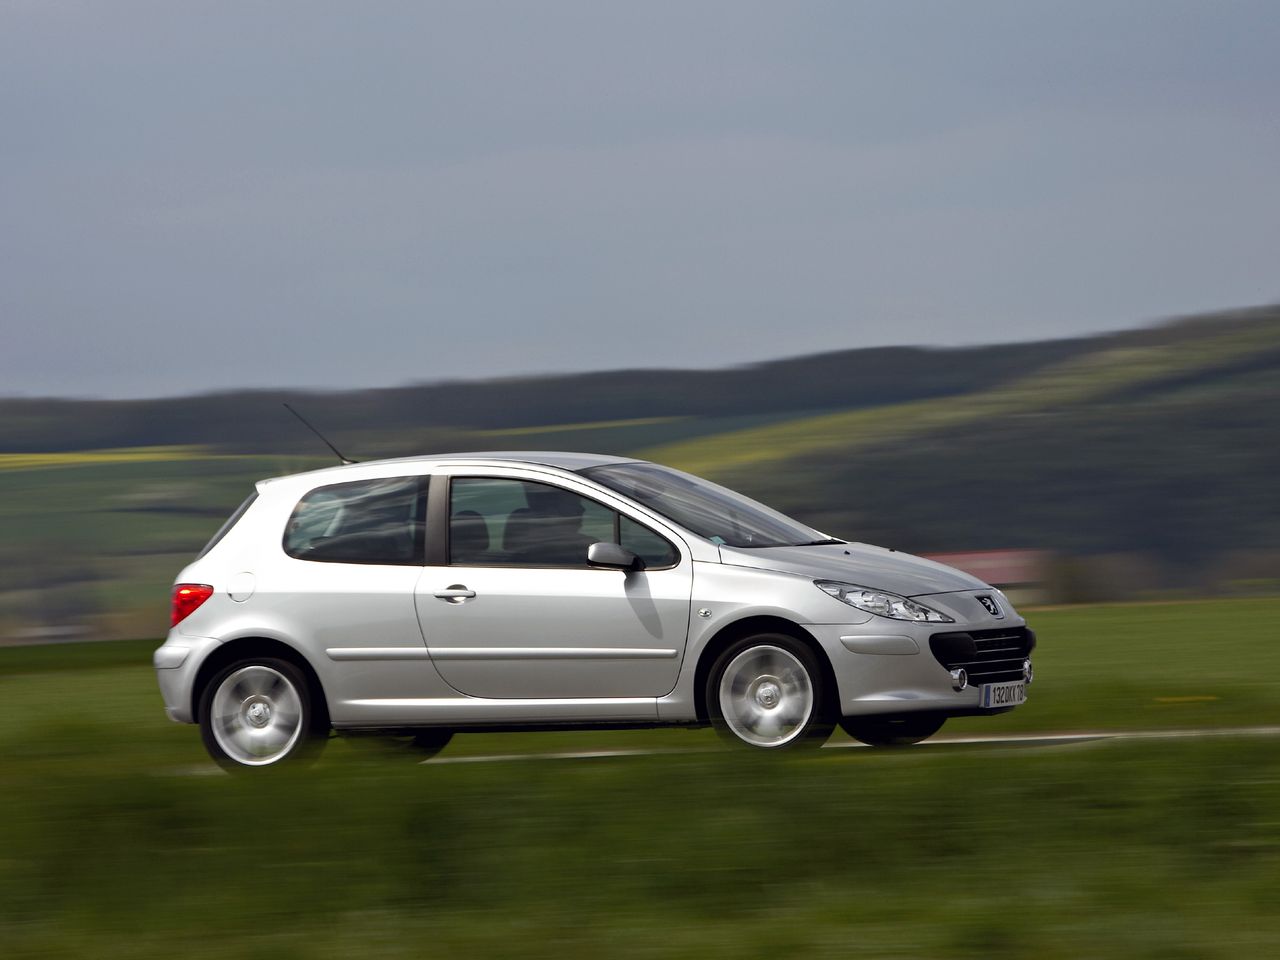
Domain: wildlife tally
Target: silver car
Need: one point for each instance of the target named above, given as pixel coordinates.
(420, 597)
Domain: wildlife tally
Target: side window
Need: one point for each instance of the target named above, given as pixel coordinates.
(500, 522)
(650, 547)
(366, 521)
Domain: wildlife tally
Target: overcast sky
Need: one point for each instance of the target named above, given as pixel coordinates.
(333, 194)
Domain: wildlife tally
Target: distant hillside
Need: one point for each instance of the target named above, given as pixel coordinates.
(417, 418)
(254, 420)
(1122, 369)
(1144, 461)
(1162, 478)
(389, 419)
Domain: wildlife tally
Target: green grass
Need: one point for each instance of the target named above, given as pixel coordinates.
(113, 845)
(80, 660)
(1142, 666)
(1151, 850)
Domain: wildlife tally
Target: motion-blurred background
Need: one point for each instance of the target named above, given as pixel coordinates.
(1128, 466)
(898, 268)
(993, 282)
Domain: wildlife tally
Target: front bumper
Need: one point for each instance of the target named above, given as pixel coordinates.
(887, 666)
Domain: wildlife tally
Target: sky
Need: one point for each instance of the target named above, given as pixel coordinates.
(198, 196)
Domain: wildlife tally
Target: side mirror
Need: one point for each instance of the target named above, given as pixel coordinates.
(612, 555)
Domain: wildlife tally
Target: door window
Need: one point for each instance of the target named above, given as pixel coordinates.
(504, 522)
(500, 522)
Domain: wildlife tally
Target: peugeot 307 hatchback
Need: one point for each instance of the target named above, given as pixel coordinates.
(420, 597)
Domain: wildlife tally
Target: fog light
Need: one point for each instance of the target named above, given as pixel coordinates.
(1028, 672)
(959, 679)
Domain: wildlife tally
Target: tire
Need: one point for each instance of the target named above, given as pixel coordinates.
(258, 712)
(427, 743)
(384, 745)
(892, 731)
(768, 692)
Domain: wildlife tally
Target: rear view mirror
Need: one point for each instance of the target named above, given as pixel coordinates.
(612, 555)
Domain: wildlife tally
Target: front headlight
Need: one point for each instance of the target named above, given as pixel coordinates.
(880, 603)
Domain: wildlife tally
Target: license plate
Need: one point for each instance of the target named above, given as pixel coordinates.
(996, 695)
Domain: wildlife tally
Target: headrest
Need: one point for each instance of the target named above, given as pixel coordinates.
(553, 502)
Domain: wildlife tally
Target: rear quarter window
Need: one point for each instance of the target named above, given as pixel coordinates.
(364, 521)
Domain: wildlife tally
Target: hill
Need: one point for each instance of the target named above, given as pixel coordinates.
(399, 417)
(1128, 369)
(1145, 459)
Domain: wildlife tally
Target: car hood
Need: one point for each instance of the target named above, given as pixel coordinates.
(860, 563)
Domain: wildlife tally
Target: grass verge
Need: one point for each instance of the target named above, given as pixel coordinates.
(1151, 850)
(112, 844)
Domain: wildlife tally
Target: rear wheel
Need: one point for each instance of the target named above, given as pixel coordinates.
(257, 713)
(892, 731)
(767, 691)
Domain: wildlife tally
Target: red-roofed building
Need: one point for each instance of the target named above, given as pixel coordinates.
(1022, 574)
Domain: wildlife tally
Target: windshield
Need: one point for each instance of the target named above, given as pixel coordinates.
(709, 510)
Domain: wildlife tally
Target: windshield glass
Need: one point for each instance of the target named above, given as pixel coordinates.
(705, 508)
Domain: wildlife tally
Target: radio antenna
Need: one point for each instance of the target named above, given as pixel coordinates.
(323, 439)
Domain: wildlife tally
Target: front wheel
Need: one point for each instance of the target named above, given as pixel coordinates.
(427, 743)
(257, 713)
(892, 731)
(768, 692)
(381, 745)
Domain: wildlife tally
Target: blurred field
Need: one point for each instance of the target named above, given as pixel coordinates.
(83, 458)
(624, 437)
(112, 845)
(1142, 461)
(1074, 381)
(95, 539)
(118, 838)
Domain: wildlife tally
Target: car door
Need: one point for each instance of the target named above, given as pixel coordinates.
(342, 587)
(511, 609)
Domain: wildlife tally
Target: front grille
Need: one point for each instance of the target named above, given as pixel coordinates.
(988, 656)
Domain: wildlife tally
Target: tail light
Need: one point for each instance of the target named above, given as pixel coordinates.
(187, 597)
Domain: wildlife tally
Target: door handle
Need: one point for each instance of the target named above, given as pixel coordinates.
(455, 593)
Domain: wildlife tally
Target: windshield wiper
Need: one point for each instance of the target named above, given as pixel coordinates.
(817, 543)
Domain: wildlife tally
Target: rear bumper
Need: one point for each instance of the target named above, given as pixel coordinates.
(177, 663)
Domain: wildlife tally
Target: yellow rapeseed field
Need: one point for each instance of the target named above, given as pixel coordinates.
(89, 458)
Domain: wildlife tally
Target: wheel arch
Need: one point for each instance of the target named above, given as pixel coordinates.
(732, 632)
(242, 648)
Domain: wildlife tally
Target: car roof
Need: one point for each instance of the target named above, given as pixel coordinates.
(552, 458)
